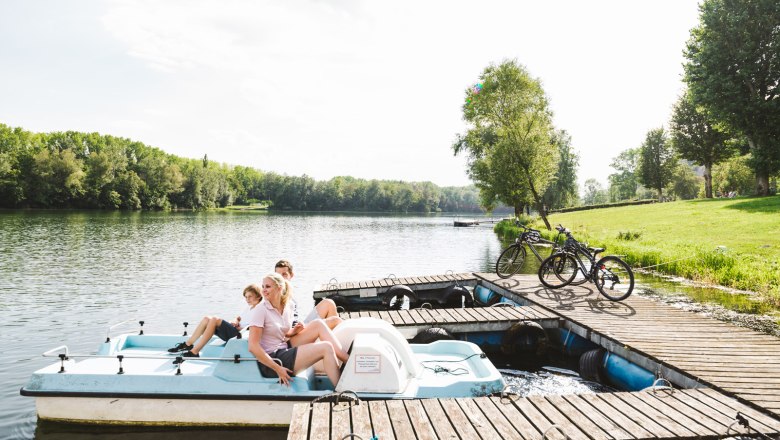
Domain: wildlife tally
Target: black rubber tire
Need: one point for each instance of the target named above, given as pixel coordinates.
(456, 296)
(558, 270)
(592, 365)
(612, 271)
(432, 335)
(393, 298)
(524, 337)
(510, 261)
(579, 277)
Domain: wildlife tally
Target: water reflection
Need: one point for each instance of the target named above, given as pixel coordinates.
(65, 277)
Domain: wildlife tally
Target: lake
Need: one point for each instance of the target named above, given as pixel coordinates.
(65, 277)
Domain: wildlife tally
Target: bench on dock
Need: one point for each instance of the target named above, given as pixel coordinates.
(700, 413)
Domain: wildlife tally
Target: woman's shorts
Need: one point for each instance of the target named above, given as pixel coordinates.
(286, 355)
(226, 331)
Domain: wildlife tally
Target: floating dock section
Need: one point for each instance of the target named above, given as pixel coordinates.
(704, 414)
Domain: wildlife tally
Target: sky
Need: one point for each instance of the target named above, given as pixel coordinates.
(370, 89)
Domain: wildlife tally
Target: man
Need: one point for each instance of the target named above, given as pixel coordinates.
(325, 309)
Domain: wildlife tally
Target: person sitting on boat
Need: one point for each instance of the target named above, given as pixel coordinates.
(325, 309)
(212, 325)
(272, 336)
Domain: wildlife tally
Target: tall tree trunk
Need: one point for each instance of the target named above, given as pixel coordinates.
(538, 203)
(708, 180)
(762, 183)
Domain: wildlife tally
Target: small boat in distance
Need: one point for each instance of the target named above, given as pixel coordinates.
(463, 223)
(133, 380)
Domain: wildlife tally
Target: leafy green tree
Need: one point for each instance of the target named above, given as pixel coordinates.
(734, 175)
(656, 161)
(733, 70)
(511, 158)
(563, 192)
(58, 178)
(697, 139)
(685, 184)
(594, 193)
(623, 184)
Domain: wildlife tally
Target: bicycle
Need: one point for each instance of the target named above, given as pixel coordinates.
(512, 258)
(559, 269)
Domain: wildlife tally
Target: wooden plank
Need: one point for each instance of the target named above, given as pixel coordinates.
(458, 419)
(735, 406)
(552, 405)
(620, 419)
(478, 420)
(441, 423)
(361, 420)
(682, 418)
(701, 418)
(320, 422)
(423, 429)
(340, 425)
(539, 421)
(570, 429)
(299, 423)
(712, 413)
(677, 429)
(417, 317)
(400, 419)
(521, 423)
(380, 420)
(599, 419)
(496, 417)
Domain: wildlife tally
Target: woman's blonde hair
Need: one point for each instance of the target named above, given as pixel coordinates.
(283, 285)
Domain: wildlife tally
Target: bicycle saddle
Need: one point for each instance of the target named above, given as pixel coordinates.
(596, 250)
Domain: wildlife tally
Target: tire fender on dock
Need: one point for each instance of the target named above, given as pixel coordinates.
(592, 365)
(432, 334)
(455, 293)
(399, 291)
(524, 337)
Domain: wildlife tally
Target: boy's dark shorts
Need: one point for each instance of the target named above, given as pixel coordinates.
(226, 331)
(286, 355)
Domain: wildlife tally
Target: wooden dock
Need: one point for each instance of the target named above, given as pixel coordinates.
(462, 320)
(700, 413)
(372, 288)
(687, 348)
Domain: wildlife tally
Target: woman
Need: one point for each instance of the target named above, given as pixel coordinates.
(212, 325)
(271, 335)
(326, 309)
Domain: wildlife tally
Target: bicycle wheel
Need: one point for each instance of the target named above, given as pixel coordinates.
(579, 277)
(510, 261)
(614, 278)
(558, 270)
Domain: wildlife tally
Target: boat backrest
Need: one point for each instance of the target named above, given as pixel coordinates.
(346, 332)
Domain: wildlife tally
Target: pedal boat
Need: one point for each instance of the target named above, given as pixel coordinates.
(133, 380)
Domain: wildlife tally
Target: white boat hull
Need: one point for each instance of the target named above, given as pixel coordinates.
(174, 412)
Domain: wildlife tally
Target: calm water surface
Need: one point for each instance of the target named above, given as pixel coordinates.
(65, 277)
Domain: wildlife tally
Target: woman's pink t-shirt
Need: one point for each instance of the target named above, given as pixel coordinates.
(273, 323)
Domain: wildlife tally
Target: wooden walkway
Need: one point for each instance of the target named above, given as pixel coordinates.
(621, 416)
(372, 288)
(739, 362)
(462, 320)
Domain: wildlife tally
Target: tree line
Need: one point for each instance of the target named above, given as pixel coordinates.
(725, 126)
(725, 123)
(89, 170)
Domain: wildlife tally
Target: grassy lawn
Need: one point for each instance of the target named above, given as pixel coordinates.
(731, 242)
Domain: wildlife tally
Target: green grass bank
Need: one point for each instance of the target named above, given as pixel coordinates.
(730, 242)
